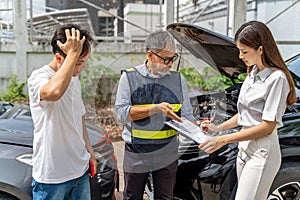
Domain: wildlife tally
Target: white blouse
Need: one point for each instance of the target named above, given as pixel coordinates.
(262, 97)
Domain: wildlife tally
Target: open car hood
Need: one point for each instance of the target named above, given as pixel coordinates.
(219, 51)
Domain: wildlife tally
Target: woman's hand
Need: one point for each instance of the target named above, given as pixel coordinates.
(207, 127)
(212, 144)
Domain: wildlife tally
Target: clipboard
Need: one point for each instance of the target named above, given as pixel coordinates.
(189, 130)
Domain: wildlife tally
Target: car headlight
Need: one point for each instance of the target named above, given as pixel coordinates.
(25, 158)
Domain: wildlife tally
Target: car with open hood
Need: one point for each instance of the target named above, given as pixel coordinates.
(16, 138)
(202, 176)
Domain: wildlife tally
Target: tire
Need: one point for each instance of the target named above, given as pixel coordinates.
(286, 185)
(6, 196)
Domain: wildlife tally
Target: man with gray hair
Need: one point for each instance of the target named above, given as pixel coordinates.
(147, 96)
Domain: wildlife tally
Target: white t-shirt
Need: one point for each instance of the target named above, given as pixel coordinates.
(59, 152)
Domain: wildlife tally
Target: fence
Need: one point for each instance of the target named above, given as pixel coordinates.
(117, 20)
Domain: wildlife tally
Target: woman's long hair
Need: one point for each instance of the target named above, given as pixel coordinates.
(255, 34)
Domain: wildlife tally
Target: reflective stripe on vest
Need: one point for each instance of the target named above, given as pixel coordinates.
(147, 91)
(176, 106)
(153, 134)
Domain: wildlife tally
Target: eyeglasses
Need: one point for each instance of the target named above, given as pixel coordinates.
(167, 60)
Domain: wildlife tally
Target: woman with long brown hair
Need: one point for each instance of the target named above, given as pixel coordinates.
(263, 98)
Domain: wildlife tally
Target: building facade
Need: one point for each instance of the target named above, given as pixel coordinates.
(281, 16)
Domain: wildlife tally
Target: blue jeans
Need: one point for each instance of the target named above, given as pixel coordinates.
(76, 189)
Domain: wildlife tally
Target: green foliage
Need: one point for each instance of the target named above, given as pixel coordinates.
(193, 78)
(241, 78)
(214, 82)
(91, 77)
(14, 91)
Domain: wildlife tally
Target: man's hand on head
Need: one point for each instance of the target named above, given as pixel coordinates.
(73, 44)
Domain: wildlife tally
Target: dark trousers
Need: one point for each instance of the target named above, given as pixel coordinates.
(163, 182)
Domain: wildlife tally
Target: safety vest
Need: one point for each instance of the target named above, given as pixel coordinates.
(148, 91)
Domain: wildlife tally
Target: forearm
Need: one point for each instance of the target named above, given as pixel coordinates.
(255, 132)
(86, 138)
(252, 133)
(59, 83)
(141, 112)
(63, 76)
(231, 123)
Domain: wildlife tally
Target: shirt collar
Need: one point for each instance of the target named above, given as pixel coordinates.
(262, 75)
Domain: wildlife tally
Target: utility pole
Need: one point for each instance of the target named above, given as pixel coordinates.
(237, 12)
(177, 11)
(121, 14)
(169, 11)
(21, 39)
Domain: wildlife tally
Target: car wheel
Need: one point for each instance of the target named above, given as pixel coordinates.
(286, 185)
(6, 196)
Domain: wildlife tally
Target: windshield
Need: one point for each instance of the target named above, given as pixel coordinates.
(294, 66)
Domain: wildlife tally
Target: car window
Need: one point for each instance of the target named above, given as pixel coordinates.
(294, 65)
(4, 107)
(23, 114)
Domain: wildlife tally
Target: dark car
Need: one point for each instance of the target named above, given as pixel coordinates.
(16, 137)
(202, 176)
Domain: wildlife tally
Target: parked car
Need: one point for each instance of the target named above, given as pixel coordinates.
(16, 137)
(202, 176)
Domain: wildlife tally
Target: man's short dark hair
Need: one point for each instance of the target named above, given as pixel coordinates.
(60, 35)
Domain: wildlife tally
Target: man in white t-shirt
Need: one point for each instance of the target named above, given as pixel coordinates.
(61, 146)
